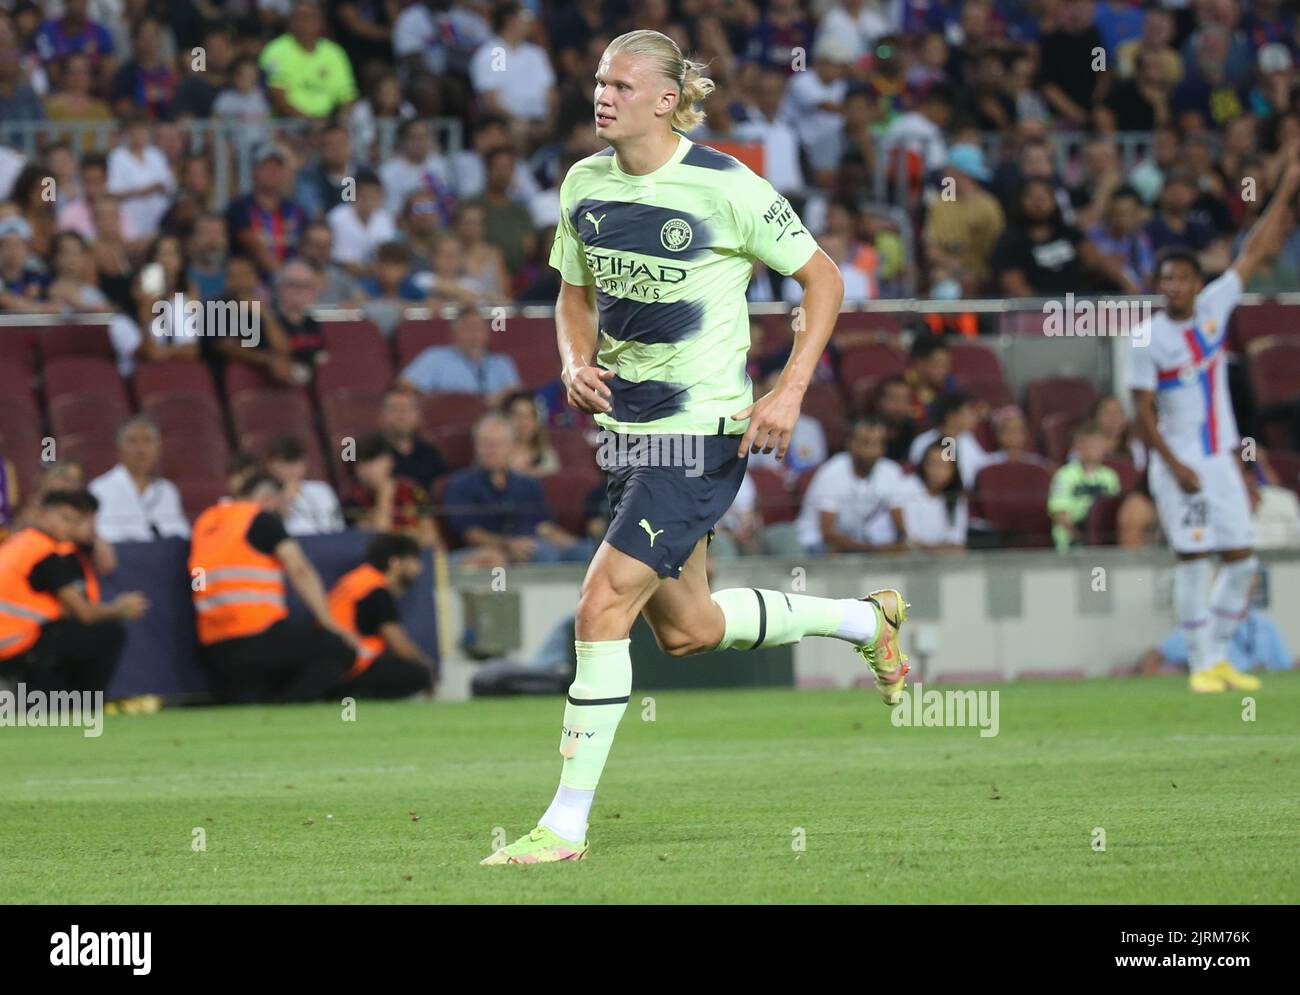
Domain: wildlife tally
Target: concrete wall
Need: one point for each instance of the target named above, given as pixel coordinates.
(997, 615)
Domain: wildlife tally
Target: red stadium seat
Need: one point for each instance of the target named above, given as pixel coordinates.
(456, 443)
(566, 495)
(1101, 528)
(17, 381)
(258, 440)
(825, 402)
(1253, 322)
(973, 362)
(96, 454)
(994, 393)
(18, 346)
(188, 456)
(1275, 380)
(1287, 468)
(871, 362)
(776, 503)
(1072, 395)
(172, 376)
(868, 321)
(358, 359)
(1013, 499)
(74, 340)
(352, 413)
(414, 335)
(84, 376)
(440, 411)
(199, 493)
(241, 377)
(187, 412)
(270, 410)
(1127, 470)
(97, 415)
(576, 454)
(1057, 435)
(530, 342)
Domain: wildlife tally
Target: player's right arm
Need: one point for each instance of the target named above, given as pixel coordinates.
(1144, 417)
(575, 331)
(1265, 236)
(306, 581)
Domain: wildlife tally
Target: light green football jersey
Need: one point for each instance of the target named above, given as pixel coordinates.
(671, 254)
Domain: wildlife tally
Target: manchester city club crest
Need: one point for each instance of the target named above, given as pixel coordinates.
(676, 235)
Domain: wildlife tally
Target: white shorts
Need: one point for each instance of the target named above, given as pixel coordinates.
(1217, 517)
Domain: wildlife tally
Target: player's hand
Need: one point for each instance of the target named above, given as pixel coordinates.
(771, 422)
(131, 605)
(586, 389)
(1186, 477)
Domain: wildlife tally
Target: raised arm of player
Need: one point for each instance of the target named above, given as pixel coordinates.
(1262, 239)
(575, 332)
(772, 417)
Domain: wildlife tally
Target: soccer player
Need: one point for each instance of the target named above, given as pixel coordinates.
(655, 246)
(1180, 395)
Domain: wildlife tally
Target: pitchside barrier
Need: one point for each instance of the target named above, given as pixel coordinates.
(161, 655)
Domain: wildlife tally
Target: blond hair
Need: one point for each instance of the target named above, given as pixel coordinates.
(692, 85)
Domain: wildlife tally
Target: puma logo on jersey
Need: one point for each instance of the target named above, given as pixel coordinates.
(650, 532)
(595, 221)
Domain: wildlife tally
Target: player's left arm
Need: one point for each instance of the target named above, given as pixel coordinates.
(1263, 238)
(772, 417)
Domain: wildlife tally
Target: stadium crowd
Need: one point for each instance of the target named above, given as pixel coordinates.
(1034, 147)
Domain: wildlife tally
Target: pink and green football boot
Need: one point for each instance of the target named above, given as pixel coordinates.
(541, 846)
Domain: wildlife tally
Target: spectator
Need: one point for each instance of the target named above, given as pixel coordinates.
(928, 374)
(484, 262)
(268, 348)
(1126, 255)
(893, 407)
(533, 455)
(360, 227)
(383, 100)
(58, 640)
(1042, 255)
(74, 101)
(469, 166)
(1012, 433)
(512, 76)
(507, 224)
(240, 468)
(417, 166)
(740, 530)
(10, 497)
(502, 515)
(1172, 223)
(295, 298)
(1068, 74)
(929, 507)
(913, 143)
(311, 507)
(961, 230)
(1077, 484)
(381, 501)
(1112, 422)
(1275, 509)
(955, 415)
(252, 649)
(336, 286)
(389, 664)
(162, 292)
(206, 251)
(265, 225)
(135, 503)
(243, 103)
(464, 367)
(807, 448)
(762, 122)
(393, 287)
(148, 79)
(1158, 31)
(813, 104)
(205, 78)
(1141, 103)
(847, 506)
(75, 33)
(320, 187)
(413, 456)
(139, 175)
(22, 287)
(308, 75)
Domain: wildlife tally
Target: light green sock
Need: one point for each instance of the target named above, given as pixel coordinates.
(597, 700)
(758, 618)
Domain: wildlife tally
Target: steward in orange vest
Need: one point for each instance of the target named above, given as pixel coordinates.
(240, 558)
(389, 664)
(53, 636)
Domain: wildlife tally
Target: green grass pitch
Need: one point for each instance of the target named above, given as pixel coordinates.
(706, 803)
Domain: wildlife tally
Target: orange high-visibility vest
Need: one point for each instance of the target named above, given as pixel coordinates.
(351, 588)
(92, 578)
(241, 590)
(23, 610)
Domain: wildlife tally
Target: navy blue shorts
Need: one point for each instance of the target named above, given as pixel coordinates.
(667, 495)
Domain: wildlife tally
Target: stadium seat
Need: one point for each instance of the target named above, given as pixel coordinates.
(995, 393)
(1073, 395)
(358, 360)
(95, 453)
(576, 454)
(530, 342)
(269, 410)
(1250, 323)
(1286, 465)
(18, 346)
(184, 411)
(22, 440)
(870, 362)
(171, 376)
(455, 442)
(199, 493)
(17, 381)
(1275, 381)
(825, 402)
(54, 341)
(84, 376)
(973, 362)
(1101, 525)
(241, 377)
(776, 503)
(439, 411)
(1057, 435)
(98, 415)
(566, 495)
(257, 440)
(1129, 474)
(868, 321)
(414, 335)
(191, 456)
(1013, 500)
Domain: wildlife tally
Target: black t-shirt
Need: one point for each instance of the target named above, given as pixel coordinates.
(55, 572)
(1133, 112)
(305, 337)
(265, 532)
(1051, 265)
(1066, 60)
(423, 464)
(377, 608)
